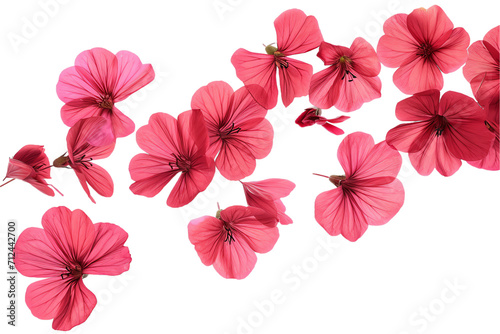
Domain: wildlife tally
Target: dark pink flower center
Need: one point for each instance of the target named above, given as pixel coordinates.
(279, 57)
(440, 124)
(224, 133)
(106, 102)
(229, 233)
(73, 272)
(345, 64)
(425, 50)
(181, 163)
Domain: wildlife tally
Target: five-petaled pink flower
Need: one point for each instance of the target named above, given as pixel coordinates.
(368, 193)
(173, 146)
(296, 33)
(98, 80)
(31, 165)
(68, 249)
(441, 132)
(237, 128)
(229, 240)
(422, 44)
(482, 68)
(312, 116)
(351, 78)
(267, 194)
(85, 145)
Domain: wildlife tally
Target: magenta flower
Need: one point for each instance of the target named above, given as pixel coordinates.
(422, 44)
(31, 165)
(238, 131)
(267, 194)
(368, 193)
(64, 252)
(312, 116)
(482, 69)
(229, 240)
(173, 146)
(296, 33)
(85, 145)
(98, 80)
(351, 78)
(441, 132)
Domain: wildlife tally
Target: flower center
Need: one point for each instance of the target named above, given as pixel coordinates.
(106, 102)
(229, 234)
(226, 133)
(181, 163)
(345, 64)
(75, 272)
(440, 125)
(278, 56)
(425, 50)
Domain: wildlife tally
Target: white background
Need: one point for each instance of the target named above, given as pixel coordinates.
(447, 232)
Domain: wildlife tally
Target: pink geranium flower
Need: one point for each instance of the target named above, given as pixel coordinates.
(492, 160)
(31, 165)
(482, 69)
(267, 194)
(441, 132)
(351, 78)
(368, 193)
(237, 128)
(422, 44)
(229, 240)
(296, 33)
(312, 116)
(64, 252)
(173, 146)
(98, 80)
(85, 145)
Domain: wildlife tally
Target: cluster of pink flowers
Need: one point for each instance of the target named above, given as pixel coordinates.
(227, 130)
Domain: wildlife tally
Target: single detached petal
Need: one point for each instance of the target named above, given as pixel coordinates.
(108, 256)
(258, 73)
(296, 32)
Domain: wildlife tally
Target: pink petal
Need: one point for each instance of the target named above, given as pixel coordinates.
(324, 90)
(398, 45)
(479, 61)
(296, 32)
(86, 138)
(435, 155)
(98, 67)
(75, 88)
(122, 125)
(453, 53)
(411, 137)
(333, 129)
(132, 75)
(330, 53)
(150, 173)
(207, 235)
(492, 43)
(18, 170)
(76, 110)
(193, 182)
(294, 80)
(75, 308)
(245, 111)
(353, 94)
(419, 107)
(159, 137)
(381, 166)
(429, 25)
(417, 76)
(193, 135)
(364, 58)
(337, 215)
(42, 186)
(44, 298)
(258, 73)
(98, 178)
(35, 255)
(353, 151)
(278, 188)
(71, 233)
(486, 88)
(108, 256)
(235, 261)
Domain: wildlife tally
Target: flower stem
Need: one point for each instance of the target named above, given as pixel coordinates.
(7, 182)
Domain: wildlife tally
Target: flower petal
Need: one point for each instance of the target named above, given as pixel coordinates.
(150, 173)
(44, 298)
(294, 80)
(207, 235)
(429, 25)
(75, 308)
(418, 75)
(453, 53)
(353, 151)
(398, 45)
(132, 75)
(98, 178)
(296, 32)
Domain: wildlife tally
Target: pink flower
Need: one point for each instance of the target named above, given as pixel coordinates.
(237, 128)
(173, 146)
(422, 44)
(313, 116)
(64, 252)
(296, 33)
(85, 141)
(368, 193)
(98, 80)
(441, 132)
(482, 69)
(492, 160)
(267, 194)
(31, 165)
(229, 240)
(350, 80)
